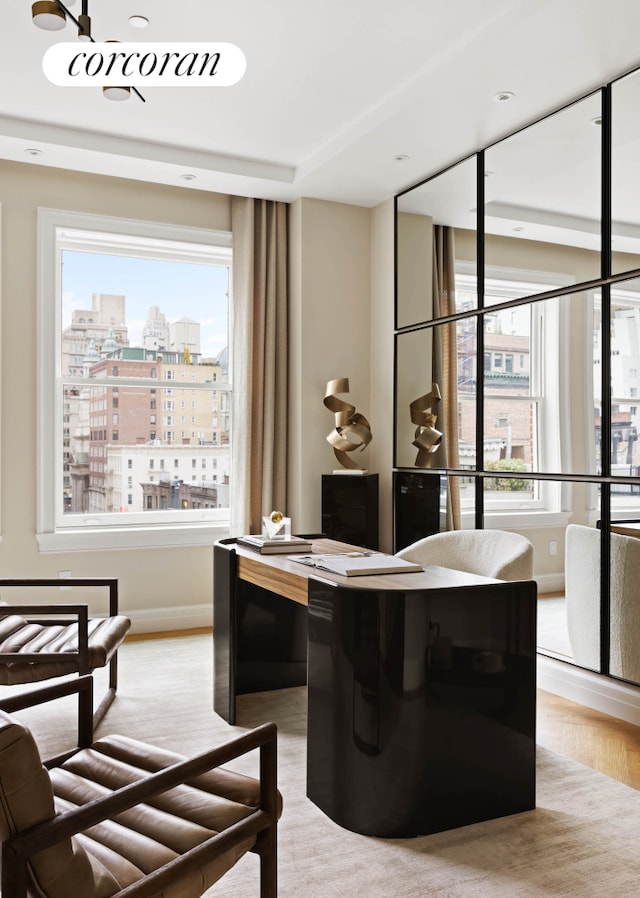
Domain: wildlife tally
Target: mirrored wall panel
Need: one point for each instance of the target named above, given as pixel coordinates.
(436, 220)
(625, 382)
(444, 355)
(625, 173)
(542, 377)
(543, 198)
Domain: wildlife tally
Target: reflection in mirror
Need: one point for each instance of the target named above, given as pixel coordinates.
(456, 488)
(447, 200)
(539, 417)
(444, 354)
(625, 387)
(624, 644)
(582, 597)
(542, 188)
(625, 173)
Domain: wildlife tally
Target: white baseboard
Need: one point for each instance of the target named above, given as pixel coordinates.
(590, 689)
(549, 583)
(180, 617)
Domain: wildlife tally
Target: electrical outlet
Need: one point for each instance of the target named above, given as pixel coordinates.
(553, 547)
(64, 575)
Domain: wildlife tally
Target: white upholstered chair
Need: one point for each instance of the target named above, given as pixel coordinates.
(582, 595)
(490, 553)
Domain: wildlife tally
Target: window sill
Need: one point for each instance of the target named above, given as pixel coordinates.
(159, 536)
(519, 520)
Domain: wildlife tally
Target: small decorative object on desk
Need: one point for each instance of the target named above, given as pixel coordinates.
(276, 526)
(352, 430)
(427, 439)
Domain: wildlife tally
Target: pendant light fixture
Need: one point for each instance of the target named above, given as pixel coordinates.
(51, 15)
(47, 14)
(84, 23)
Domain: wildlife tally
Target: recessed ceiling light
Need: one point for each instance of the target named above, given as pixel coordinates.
(32, 151)
(519, 228)
(504, 96)
(488, 173)
(138, 21)
(188, 177)
(597, 120)
(401, 157)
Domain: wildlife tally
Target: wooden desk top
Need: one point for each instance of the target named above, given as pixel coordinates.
(289, 578)
(628, 529)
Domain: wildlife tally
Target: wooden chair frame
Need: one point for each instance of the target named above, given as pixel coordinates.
(262, 823)
(75, 613)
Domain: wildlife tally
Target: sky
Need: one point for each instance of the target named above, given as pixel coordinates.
(180, 289)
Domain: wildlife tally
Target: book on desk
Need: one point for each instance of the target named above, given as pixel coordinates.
(275, 546)
(354, 564)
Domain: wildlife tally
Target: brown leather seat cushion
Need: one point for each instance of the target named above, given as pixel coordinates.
(116, 853)
(18, 635)
(26, 798)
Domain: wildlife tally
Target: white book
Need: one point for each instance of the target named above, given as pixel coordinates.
(354, 564)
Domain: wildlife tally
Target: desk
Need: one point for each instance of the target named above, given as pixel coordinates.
(626, 528)
(421, 687)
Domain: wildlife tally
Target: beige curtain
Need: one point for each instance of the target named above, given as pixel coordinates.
(445, 365)
(259, 363)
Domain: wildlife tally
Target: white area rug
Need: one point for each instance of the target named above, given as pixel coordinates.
(581, 840)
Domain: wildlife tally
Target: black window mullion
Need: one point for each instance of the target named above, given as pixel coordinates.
(480, 271)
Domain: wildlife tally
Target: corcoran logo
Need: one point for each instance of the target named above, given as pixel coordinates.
(144, 64)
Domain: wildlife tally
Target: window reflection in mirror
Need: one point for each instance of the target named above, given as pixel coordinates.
(539, 417)
(423, 357)
(447, 200)
(625, 392)
(625, 173)
(542, 193)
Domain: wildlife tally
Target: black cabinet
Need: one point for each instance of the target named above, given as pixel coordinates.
(421, 705)
(416, 507)
(350, 508)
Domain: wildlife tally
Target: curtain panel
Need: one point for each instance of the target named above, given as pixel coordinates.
(445, 364)
(259, 363)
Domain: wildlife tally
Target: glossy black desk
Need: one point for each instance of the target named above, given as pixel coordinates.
(421, 687)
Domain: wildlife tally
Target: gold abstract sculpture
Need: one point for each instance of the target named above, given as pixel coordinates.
(427, 439)
(352, 430)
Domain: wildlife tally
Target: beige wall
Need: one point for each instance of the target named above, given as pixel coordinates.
(330, 288)
(381, 362)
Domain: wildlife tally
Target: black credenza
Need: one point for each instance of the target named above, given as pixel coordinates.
(350, 508)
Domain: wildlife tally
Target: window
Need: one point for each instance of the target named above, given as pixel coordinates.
(523, 406)
(157, 309)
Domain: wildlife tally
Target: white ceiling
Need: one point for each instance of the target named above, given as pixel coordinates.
(334, 89)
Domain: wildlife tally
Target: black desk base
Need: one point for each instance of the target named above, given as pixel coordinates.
(421, 706)
(260, 637)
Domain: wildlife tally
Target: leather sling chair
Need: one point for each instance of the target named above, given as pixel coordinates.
(123, 819)
(42, 642)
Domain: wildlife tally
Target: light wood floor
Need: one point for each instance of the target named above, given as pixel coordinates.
(589, 737)
(604, 743)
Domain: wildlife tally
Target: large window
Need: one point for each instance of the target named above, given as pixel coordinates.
(525, 401)
(125, 308)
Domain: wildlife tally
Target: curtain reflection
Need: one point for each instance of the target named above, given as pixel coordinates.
(445, 363)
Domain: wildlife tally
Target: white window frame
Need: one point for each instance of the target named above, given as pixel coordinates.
(549, 351)
(57, 532)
